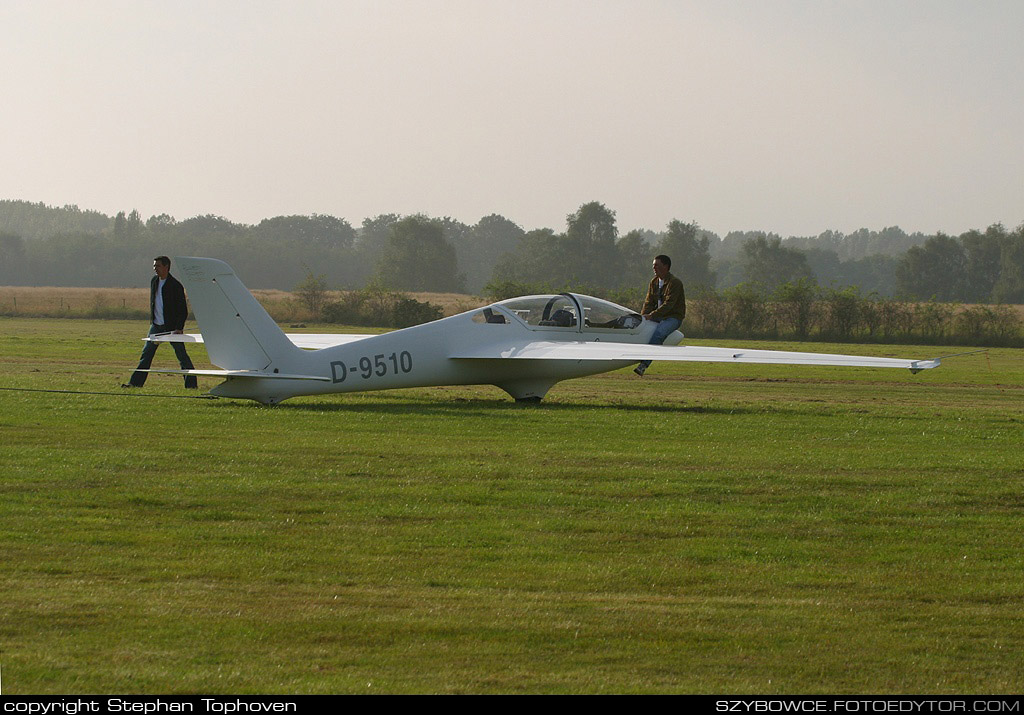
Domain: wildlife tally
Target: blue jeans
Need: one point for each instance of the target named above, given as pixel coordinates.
(664, 329)
(139, 378)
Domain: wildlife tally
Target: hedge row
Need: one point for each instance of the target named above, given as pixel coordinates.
(803, 311)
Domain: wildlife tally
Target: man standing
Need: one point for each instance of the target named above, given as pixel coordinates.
(167, 313)
(665, 304)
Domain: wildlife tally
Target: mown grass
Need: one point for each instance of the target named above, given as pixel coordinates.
(705, 529)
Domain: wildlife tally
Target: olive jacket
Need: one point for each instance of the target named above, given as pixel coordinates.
(672, 296)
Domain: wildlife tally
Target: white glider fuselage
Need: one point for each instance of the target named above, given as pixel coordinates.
(522, 345)
(428, 355)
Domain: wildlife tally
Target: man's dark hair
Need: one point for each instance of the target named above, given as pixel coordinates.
(664, 259)
(163, 260)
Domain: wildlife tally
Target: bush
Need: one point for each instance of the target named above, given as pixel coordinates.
(378, 307)
(988, 325)
(747, 307)
(933, 320)
(503, 290)
(348, 310)
(632, 297)
(796, 306)
(870, 315)
(312, 291)
(709, 311)
(842, 312)
(409, 311)
(798, 311)
(896, 318)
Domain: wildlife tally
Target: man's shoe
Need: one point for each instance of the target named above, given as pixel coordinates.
(129, 385)
(640, 370)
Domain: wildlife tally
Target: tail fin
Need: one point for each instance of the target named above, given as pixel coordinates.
(237, 331)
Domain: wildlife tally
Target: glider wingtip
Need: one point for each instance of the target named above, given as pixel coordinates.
(919, 365)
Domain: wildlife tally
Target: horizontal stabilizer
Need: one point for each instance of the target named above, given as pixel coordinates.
(627, 352)
(309, 341)
(243, 373)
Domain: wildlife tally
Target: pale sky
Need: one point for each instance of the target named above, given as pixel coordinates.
(778, 115)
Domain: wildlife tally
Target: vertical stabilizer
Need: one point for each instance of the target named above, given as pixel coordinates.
(237, 331)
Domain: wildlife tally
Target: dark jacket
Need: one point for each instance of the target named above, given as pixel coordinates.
(673, 299)
(175, 306)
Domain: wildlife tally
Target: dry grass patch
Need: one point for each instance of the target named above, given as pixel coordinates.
(76, 302)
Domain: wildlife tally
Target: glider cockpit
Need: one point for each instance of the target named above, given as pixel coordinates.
(562, 312)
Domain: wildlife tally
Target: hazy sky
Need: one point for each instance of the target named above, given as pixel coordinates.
(778, 115)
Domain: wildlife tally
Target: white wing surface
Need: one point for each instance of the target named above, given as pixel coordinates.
(310, 341)
(243, 373)
(549, 350)
(318, 341)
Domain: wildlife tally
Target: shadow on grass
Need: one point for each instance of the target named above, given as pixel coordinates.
(424, 406)
(462, 406)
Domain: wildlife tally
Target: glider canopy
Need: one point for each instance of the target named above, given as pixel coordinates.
(562, 311)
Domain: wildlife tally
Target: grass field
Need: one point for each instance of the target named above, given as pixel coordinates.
(710, 529)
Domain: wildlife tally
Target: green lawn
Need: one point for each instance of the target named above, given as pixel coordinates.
(708, 528)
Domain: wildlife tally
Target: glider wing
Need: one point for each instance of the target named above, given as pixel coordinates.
(310, 341)
(609, 351)
(244, 373)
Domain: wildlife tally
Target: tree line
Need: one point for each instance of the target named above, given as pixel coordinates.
(42, 245)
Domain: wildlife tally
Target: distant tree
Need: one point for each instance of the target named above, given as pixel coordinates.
(312, 293)
(767, 261)
(317, 229)
(890, 241)
(210, 228)
(688, 249)
(12, 260)
(872, 274)
(1010, 286)
(135, 228)
(459, 235)
(34, 221)
(586, 257)
(80, 259)
(825, 265)
(161, 225)
(377, 229)
(541, 257)
(418, 258)
(455, 232)
(936, 269)
(983, 255)
(325, 242)
(120, 227)
(480, 250)
(590, 237)
(372, 238)
(731, 247)
(635, 256)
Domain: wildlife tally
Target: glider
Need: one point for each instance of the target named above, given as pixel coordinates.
(522, 345)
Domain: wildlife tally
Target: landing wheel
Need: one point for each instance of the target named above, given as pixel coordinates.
(534, 400)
